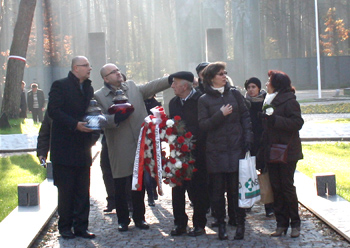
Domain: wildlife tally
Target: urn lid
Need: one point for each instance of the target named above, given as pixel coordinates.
(93, 107)
(120, 96)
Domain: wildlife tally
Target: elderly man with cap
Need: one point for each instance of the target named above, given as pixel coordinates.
(184, 104)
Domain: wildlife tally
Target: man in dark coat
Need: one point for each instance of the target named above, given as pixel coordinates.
(23, 104)
(43, 145)
(184, 104)
(36, 102)
(71, 145)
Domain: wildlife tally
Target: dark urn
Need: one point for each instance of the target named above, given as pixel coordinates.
(94, 117)
(121, 108)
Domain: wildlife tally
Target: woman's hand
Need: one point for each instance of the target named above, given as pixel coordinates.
(226, 109)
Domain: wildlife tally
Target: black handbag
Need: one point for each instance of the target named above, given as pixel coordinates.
(279, 153)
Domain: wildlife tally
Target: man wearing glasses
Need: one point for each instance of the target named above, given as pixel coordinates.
(70, 148)
(122, 137)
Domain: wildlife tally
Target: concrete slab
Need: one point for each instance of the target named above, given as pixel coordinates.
(18, 142)
(333, 210)
(21, 227)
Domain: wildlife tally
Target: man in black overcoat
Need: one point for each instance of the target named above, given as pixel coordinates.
(71, 145)
(184, 104)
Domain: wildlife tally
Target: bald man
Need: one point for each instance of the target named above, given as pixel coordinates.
(71, 145)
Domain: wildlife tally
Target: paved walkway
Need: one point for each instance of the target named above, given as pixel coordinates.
(314, 232)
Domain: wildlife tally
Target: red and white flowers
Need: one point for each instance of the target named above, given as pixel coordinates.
(178, 164)
(164, 150)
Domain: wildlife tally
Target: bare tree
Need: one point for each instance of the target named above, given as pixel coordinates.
(16, 62)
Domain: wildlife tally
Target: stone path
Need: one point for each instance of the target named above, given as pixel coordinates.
(314, 232)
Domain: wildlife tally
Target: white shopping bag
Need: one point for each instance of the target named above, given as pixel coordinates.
(249, 190)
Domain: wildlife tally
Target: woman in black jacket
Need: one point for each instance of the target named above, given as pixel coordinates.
(282, 127)
(223, 114)
(255, 96)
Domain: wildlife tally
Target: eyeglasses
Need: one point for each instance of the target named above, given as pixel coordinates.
(113, 72)
(85, 65)
(222, 73)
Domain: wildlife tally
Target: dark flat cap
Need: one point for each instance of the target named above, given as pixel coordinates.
(182, 75)
(201, 66)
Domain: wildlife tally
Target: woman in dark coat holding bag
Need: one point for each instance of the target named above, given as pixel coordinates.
(282, 127)
(255, 96)
(223, 114)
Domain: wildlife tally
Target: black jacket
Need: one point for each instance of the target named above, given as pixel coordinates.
(288, 122)
(23, 106)
(67, 106)
(43, 145)
(226, 135)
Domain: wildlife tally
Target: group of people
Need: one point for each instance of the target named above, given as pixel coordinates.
(34, 102)
(225, 125)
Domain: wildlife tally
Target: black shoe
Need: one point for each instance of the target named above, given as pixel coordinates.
(248, 210)
(151, 203)
(232, 222)
(86, 234)
(122, 227)
(142, 225)
(178, 230)
(67, 234)
(196, 231)
(215, 223)
(239, 233)
(222, 231)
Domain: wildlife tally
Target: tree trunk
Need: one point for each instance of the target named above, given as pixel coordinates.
(15, 66)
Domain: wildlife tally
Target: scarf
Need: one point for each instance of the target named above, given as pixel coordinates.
(269, 98)
(258, 98)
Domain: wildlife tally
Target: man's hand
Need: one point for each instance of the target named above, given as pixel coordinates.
(41, 158)
(82, 128)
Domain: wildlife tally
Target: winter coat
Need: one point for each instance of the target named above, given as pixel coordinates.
(189, 114)
(288, 122)
(257, 127)
(43, 144)
(67, 106)
(23, 106)
(122, 139)
(226, 135)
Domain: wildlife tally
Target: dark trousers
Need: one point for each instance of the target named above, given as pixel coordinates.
(200, 199)
(230, 204)
(222, 182)
(37, 115)
(284, 194)
(150, 185)
(73, 184)
(121, 201)
(107, 174)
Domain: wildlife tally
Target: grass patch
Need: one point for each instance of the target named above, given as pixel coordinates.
(326, 108)
(328, 157)
(15, 170)
(24, 126)
(341, 120)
